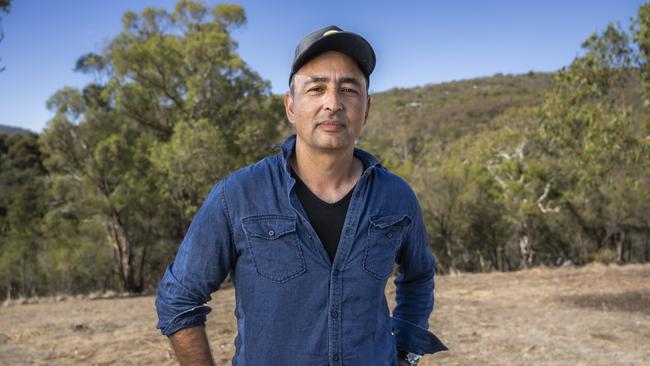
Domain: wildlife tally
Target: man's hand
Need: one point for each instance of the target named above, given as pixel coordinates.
(191, 346)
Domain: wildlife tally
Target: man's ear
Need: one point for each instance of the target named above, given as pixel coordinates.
(288, 106)
(365, 117)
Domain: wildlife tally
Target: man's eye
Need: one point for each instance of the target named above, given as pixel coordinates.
(349, 90)
(315, 89)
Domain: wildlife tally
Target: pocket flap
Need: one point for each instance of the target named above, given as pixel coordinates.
(383, 222)
(269, 226)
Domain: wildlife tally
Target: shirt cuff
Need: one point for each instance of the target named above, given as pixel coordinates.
(412, 338)
(189, 318)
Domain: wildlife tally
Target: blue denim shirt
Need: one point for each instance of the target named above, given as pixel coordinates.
(293, 305)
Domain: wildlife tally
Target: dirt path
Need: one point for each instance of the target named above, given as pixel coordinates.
(595, 315)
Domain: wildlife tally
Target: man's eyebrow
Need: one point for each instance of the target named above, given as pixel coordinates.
(325, 79)
(317, 79)
(350, 80)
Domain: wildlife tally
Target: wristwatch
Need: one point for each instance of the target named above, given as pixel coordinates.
(410, 357)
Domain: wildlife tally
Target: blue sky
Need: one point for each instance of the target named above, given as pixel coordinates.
(417, 42)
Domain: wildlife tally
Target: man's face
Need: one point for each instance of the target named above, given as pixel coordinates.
(329, 104)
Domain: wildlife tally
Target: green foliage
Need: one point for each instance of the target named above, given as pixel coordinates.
(513, 172)
(599, 150)
(446, 139)
(172, 109)
(229, 14)
(22, 207)
(190, 163)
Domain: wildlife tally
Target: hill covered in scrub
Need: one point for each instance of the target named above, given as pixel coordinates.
(11, 130)
(518, 170)
(411, 117)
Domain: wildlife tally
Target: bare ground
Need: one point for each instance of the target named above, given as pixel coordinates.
(594, 315)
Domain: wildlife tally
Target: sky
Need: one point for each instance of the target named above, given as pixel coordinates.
(417, 42)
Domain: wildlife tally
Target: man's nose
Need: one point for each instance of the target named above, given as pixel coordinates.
(333, 100)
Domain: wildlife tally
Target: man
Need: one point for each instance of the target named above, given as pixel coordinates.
(309, 237)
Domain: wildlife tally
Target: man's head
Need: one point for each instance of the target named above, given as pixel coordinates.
(328, 102)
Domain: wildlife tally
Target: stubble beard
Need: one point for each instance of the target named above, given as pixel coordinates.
(323, 140)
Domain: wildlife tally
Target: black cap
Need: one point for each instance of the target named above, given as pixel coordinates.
(333, 38)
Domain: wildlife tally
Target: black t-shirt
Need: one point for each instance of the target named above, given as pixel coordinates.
(326, 218)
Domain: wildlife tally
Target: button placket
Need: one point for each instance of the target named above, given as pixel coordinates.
(336, 290)
(335, 320)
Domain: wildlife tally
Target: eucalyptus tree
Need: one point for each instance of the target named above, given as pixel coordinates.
(171, 109)
(597, 148)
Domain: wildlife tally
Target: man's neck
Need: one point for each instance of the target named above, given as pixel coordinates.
(328, 174)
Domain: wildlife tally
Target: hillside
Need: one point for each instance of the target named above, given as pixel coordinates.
(11, 130)
(412, 117)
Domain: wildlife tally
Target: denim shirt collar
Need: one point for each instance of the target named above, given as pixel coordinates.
(289, 145)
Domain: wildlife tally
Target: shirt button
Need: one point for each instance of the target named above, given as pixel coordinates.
(336, 272)
(271, 232)
(335, 357)
(335, 314)
(348, 231)
(389, 235)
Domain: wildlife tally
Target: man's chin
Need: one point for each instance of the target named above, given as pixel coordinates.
(333, 144)
(328, 142)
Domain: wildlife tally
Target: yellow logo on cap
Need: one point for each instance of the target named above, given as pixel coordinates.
(330, 32)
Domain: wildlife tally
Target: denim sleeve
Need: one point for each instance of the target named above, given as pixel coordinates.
(204, 259)
(414, 293)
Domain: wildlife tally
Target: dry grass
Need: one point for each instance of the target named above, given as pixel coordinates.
(595, 315)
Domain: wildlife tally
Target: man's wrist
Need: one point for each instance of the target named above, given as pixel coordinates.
(191, 346)
(410, 357)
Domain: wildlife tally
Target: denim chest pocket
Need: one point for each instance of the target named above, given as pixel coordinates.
(384, 239)
(274, 246)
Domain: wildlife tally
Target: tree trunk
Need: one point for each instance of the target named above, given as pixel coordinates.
(486, 266)
(620, 247)
(628, 243)
(500, 264)
(526, 251)
(452, 262)
(140, 283)
(123, 255)
(446, 236)
(23, 276)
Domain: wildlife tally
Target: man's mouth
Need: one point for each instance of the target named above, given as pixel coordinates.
(330, 125)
